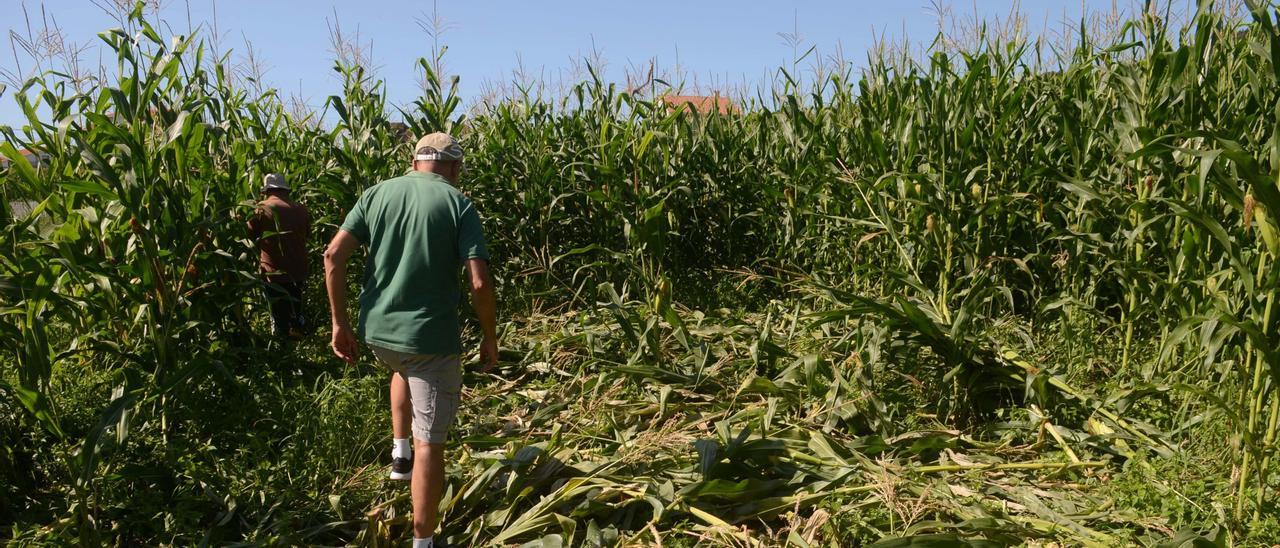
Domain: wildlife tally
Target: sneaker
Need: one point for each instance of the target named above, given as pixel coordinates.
(401, 469)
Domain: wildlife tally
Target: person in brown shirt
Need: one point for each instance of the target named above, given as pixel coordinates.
(281, 226)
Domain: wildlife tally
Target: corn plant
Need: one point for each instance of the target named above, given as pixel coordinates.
(944, 277)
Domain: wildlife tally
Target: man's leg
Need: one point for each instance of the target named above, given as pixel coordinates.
(401, 414)
(401, 407)
(435, 385)
(401, 418)
(278, 303)
(297, 320)
(427, 487)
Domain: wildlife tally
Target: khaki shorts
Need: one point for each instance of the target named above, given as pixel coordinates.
(435, 388)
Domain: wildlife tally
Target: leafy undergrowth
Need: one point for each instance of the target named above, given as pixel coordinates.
(633, 425)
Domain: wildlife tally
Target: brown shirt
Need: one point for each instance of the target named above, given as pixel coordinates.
(281, 227)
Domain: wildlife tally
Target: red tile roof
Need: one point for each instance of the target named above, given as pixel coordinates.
(701, 103)
(33, 157)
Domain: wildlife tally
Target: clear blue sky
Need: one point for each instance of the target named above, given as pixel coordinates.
(718, 41)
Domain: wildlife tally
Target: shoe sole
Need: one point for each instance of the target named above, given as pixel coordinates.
(401, 476)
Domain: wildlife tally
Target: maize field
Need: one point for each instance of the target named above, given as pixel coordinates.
(987, 295)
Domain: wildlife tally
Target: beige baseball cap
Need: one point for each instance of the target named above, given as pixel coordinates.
(437, 147)
(274, 180)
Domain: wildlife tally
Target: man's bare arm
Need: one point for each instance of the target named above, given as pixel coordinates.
(486, 305)
(335, 280)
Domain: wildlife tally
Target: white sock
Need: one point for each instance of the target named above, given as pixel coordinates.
(401, 449)
(423, 542)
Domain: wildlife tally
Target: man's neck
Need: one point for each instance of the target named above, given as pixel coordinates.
(429, 173)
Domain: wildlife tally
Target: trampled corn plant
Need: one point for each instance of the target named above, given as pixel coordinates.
(712, 456)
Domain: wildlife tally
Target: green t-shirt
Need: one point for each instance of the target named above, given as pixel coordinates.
(419, 230)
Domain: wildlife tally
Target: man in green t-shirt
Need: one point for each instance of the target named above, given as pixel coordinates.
(420, 231)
